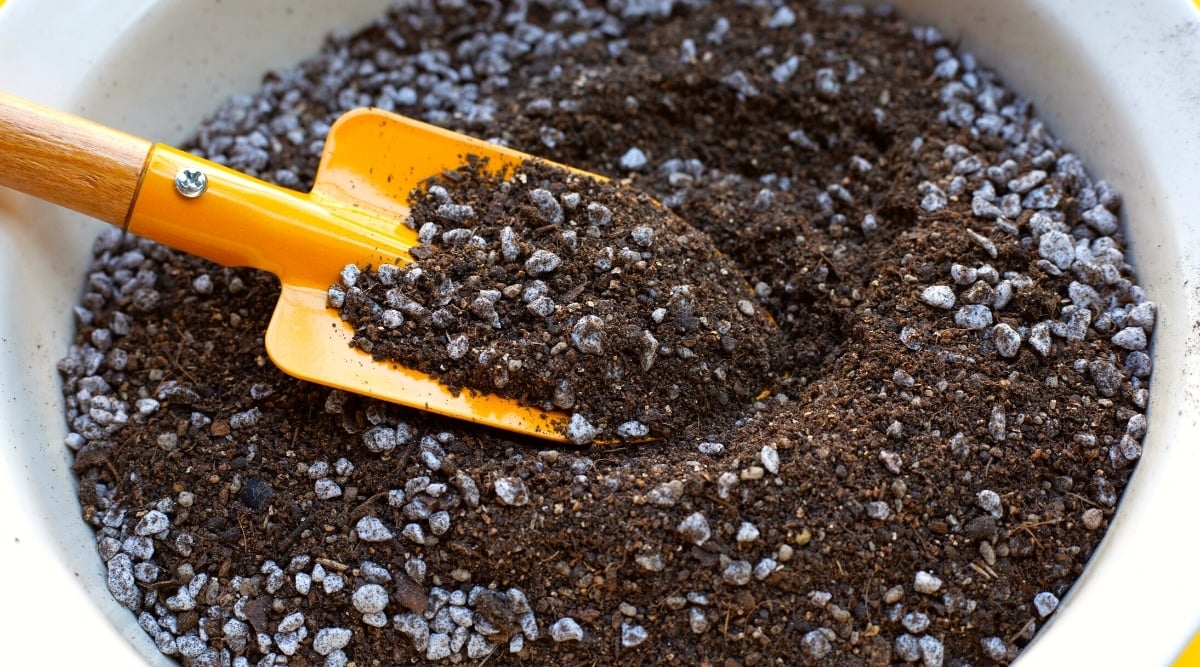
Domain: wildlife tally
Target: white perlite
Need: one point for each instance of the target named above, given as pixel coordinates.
(995, 648)
(1130, 338)
(370, 598)
(371, 529)
(632, 635)
(989, 501)
(939, 296)
(1039, 338)
(816, 644)
(770, 458)
(932, 651)
(121, 582)
(747, 533)
(541, 262)
(580, 431)
(974, 317)
(766, 567)
(694, 529)
(926, 583)
(566, 629)
(1058, 248)
(1100, 219)
(878, 509)
(737, 572)
(587, 334)
(291, 622)
(1045, 603)
(1007, 340)
(511, 491)
(154, 522)
(326, 489)
(633, 159)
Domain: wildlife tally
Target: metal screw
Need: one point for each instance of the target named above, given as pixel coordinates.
(190, 182)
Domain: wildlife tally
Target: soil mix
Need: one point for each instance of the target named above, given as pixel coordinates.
(567, 294)
(958, 399)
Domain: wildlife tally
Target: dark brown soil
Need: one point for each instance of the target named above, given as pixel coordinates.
(907, 493)
(605, 305)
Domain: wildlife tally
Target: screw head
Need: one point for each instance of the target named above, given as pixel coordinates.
(191, 182)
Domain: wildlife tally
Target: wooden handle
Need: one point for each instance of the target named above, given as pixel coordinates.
(69, 161)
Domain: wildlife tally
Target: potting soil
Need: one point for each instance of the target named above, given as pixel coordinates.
(956, 397)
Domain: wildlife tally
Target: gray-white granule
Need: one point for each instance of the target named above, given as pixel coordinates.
(924, 582)
(371, 529)
(633, 159)
(974, 317)
(581, 431)
(566, 629)
(1045, 603)
(1006, 339)
(511, 491)
(939, 296)
(541, 262)
(587, 335)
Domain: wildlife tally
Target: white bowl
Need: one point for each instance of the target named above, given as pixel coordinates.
(1119, 81)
